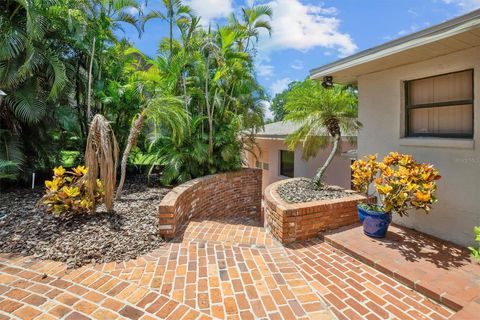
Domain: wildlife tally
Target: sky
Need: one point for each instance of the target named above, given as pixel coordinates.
(307, 34)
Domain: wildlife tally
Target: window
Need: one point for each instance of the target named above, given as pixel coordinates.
(440, 106)
(258, 164)
(286, 163)
(265, 166)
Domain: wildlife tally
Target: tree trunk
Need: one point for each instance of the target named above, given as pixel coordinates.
(209, 111)
(318, 179)
(131, 142)
(89, 94)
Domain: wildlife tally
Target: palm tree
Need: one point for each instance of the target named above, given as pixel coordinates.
(177, 13)
(319, 111)
(164, 113)
(253, 19)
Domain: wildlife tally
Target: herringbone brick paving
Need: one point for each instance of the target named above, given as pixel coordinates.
(214, 269)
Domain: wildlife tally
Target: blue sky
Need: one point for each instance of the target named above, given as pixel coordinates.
(308, 34)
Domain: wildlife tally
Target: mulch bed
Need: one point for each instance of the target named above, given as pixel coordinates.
(303, 190)
(130, 231)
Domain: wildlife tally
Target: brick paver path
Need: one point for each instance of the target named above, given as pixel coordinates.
(216, 269)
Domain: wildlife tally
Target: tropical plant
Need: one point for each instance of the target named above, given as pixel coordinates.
(399, 181)
(63, 60)
(163, 112)
(475, 252)
(323, 115)
(176, 14)
(278, 102)
(67, 195)
(101, 159)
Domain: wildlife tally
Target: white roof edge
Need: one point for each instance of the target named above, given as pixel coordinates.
(440, 31)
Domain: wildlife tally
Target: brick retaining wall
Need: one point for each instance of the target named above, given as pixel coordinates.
(290, 222)
(220, 195)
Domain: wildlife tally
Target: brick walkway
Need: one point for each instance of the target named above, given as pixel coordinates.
(216, 269)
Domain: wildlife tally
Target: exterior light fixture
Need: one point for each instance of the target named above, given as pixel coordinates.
(327, 82)
(2, 95)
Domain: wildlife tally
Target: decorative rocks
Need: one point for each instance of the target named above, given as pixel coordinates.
(303, 190)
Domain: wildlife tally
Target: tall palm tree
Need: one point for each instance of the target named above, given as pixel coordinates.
(319, 111)
(252, 20)
(176, 13)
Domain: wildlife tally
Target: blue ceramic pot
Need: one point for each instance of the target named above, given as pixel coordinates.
(375, 224)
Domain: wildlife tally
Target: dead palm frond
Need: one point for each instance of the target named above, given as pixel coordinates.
(101, 158)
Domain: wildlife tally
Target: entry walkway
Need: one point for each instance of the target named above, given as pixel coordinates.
(215, 269)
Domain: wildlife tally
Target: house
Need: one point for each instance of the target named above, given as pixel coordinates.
(272, 155)
(419, 95)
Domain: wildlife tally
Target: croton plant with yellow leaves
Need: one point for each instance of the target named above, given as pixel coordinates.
(400, 182)
(66, 193)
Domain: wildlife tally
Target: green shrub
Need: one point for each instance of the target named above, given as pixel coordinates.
(476, 252)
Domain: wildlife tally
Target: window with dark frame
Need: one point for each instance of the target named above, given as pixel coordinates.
(440, 106)
(287, 163)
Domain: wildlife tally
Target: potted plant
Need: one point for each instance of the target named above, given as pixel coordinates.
(400, 184)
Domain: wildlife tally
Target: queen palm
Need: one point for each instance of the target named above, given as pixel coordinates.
(319, 111)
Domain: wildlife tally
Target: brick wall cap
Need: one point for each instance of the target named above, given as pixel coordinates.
(171, 197)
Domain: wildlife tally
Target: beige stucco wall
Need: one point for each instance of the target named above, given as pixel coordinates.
(381, 106)
(337, 174)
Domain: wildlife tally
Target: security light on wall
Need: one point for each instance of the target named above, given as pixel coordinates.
(327, 82)
(2, 94)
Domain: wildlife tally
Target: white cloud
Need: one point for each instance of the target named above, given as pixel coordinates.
(266, 105)
(466, 5)
(280, 85)
(265, 70)
(210, 10)
(131, 10)
(297, 64)
(303, 27)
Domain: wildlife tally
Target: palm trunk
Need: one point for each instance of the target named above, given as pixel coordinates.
(131, 142)
(89, 94)
(209, 112)
(318, 179)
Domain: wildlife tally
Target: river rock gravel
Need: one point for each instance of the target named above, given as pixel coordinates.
(302, 190)
(130, 231)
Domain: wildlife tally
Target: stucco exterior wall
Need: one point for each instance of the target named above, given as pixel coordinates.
(381, 110)
(337, 174)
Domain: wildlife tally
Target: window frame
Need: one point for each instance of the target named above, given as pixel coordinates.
(281, 164)
(408, 107)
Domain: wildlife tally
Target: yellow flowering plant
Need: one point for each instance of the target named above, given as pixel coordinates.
(66, 193)
(400, 182)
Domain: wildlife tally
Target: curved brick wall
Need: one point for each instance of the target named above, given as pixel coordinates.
(214, 196)
(289, 222)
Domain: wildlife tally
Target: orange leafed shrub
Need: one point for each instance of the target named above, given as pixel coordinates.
(400, 182)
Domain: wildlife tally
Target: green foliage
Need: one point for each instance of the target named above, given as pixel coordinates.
(198, 94)
(278, 102)
(475, 252)
(324, 116)
(67, 195)
(45, 49)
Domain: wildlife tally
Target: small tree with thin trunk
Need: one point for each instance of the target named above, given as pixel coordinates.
(324, 115)
(163, 112)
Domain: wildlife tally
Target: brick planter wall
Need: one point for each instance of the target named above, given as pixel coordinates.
(301, 221)
(220, 195)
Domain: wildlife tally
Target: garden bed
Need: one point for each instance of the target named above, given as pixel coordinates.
(290, 222)
(303, 190)
(130, 231)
